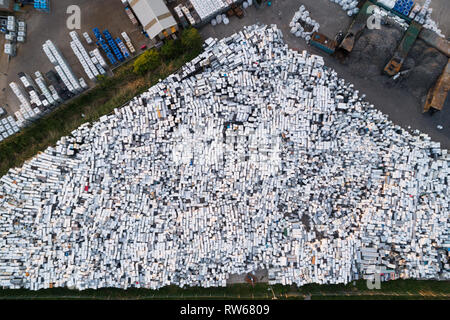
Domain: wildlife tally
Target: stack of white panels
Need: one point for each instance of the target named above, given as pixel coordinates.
(43, 87)
(8, 127)
(188, 15)
(83, 83)
(65, 80)
(83, 62)
(10, 49)
(128, 42)
(55, 94)
(11, 24)
(87, 37)
(84, 58)
(29, 85)
(21, 122)
(19, 94)
(178, 11)
(61, 67)
(96, 53)
(21, 31)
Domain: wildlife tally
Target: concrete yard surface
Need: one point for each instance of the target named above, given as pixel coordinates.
(103, 14)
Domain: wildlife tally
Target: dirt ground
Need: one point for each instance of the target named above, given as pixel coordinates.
(420, 70)
(403, 106)
(103, 14)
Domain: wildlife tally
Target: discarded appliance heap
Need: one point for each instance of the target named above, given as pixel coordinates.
(253, 156)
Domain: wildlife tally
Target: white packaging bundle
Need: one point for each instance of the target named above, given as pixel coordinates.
(302, 25)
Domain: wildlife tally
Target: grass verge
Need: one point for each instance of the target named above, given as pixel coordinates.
(396, 289)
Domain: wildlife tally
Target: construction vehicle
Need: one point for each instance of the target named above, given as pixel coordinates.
(323, 42)
(356, 28)
(438, 93)
(400, 54)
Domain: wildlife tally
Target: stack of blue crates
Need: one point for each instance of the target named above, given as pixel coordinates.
(404, 6)
(42, 5)
(113, 45)
(123, 48)
(102, 43)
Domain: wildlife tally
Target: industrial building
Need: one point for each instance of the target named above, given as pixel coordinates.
(155, 17)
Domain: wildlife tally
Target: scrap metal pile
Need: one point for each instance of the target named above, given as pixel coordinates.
(253, 156)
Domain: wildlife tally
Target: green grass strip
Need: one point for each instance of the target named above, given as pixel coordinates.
(396, 289)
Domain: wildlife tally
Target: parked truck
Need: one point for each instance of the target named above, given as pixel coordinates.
(438, 93)
(400, 54)
(322, 42)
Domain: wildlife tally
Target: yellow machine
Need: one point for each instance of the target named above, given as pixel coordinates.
(438, 93)
(395, 64)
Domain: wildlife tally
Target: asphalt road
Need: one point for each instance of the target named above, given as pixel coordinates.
(401, 107)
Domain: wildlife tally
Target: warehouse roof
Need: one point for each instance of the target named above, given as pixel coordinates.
(153, 15)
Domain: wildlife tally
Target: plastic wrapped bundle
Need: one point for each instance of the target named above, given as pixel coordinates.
(213, 22)
(301, 21)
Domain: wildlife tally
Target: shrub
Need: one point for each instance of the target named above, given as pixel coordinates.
(148, 61)
(171, 49)
(192, 41)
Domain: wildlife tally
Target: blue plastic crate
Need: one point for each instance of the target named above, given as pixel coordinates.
(111, 58)
(123, 48)
(42, 5)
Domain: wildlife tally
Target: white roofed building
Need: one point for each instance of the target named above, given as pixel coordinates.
(155, 17)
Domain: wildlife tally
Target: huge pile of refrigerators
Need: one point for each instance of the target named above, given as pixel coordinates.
(254, 156)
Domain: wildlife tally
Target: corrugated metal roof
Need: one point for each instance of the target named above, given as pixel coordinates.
(153, 15)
